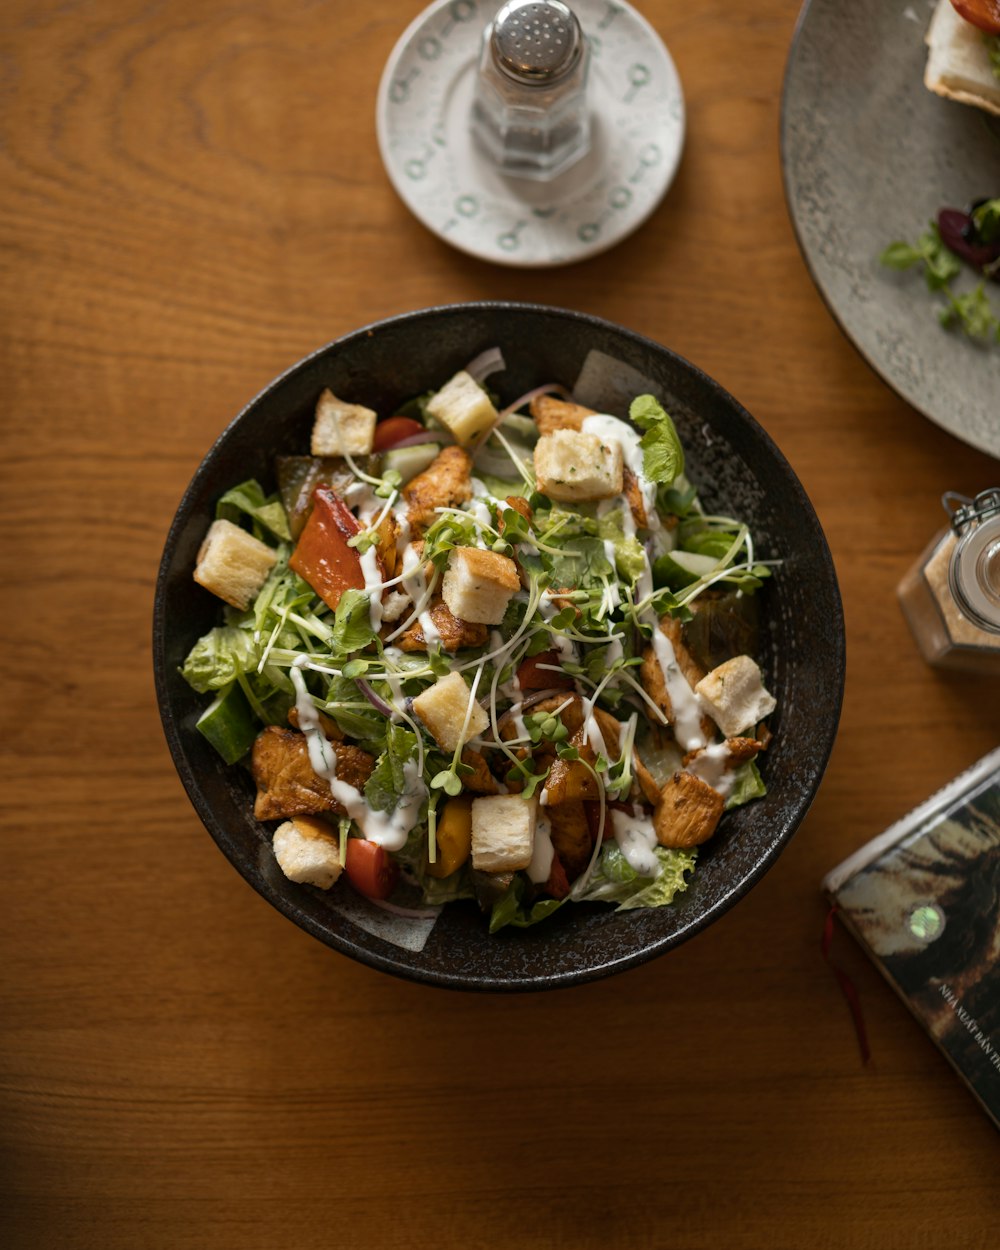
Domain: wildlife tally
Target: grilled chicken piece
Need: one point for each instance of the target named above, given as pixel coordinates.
(455, 634)
(552, 414)
(286, 783)
(571, 836)
(688, 811)
(653, 681)
(481, 781)
(569, 780)
(445, 483)
(633, 495)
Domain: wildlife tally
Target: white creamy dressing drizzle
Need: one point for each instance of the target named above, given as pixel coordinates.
(712, 767)
(414, 583)
(393, 655)
(389, 830)
(613, 430)
(636, 840)
(547, 610)
(687, 711)
(372, 573)
(542, 851)
(510, 690)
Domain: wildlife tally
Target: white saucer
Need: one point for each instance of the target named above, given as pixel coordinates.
(422, 118)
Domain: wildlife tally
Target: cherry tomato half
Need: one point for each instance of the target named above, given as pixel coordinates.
(982, 13)
(370, 868)
(394, 430)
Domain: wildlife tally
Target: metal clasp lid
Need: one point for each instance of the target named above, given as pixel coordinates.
(974, 568)
(963, 511)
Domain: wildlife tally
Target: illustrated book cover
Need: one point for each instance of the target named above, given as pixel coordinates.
(923, 900)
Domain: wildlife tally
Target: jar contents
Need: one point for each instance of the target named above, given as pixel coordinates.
(529, 113)
(951, 596)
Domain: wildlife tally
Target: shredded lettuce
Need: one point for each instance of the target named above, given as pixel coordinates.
(614, 880)
(747, 786)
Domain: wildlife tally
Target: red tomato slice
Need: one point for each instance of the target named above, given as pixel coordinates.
(370, 868)
(389, 433)
(322, 556)
(982, 13)
(530, 676)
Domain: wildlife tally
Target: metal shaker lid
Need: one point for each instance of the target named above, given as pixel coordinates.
(536, 42)
(974, 571)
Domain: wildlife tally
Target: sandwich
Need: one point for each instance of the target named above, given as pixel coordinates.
(963, 63)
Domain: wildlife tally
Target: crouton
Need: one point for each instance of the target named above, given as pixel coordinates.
(734, 695)
(340, 427)
(449, 712)
(688, 811)
(463, 408)
(445, 483)
(552, 414)
(570, 465)
(286, 783)
(478, 585)
(232, 563)
(453, 634)
(308, 851)
(503, 832)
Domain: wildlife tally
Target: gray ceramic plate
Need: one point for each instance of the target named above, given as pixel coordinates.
(738, 467)
(869, 156)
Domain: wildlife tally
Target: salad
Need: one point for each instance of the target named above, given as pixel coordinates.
(483, 652)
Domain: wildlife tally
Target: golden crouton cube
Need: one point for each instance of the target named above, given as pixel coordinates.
(450, 713)
(232, 563)
(463, 408)
(308, 851)
(571, 465)
(478, 585)
(734, 696)
(503, 832)
(340, 427)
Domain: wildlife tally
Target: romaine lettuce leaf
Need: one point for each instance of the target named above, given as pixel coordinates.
(615, 881)
(220, 656)
(747, 786)
(249, 498)
(512, 910)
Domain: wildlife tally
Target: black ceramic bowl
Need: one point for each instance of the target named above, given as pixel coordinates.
(738, 469)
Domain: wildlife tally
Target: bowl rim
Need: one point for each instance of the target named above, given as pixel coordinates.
(360, 950)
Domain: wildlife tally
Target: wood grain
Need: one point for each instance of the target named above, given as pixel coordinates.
(191, 200)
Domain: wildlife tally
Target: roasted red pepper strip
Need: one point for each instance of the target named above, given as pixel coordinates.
(531, 677)
(322, 556)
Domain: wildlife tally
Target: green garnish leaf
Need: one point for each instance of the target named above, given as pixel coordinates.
(352, 626)
(662, 453)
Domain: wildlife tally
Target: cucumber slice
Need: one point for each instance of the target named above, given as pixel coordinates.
(520, 427)
(681, 568)
(229, 724)
(409, 461)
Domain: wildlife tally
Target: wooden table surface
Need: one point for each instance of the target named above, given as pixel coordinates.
(192, 198)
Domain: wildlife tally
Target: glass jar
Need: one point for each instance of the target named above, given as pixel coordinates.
(529, 111)
(951, 596)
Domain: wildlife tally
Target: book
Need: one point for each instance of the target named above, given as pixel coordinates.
(923, 901)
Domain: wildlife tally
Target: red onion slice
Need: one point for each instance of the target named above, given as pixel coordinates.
(409, 913)
(487, 362)
(377, 703)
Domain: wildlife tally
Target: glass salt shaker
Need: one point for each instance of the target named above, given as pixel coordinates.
(529, 111)
(951, 596)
